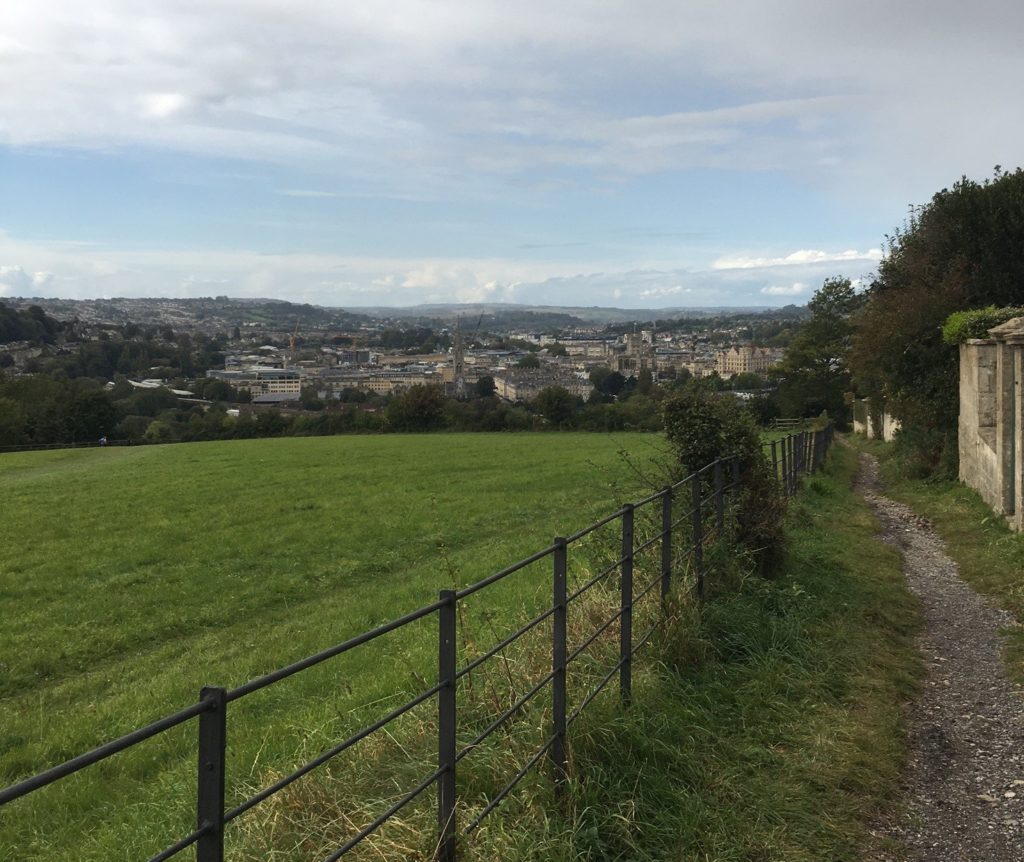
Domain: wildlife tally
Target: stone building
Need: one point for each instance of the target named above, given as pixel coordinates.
(740, 360)
(991, 423)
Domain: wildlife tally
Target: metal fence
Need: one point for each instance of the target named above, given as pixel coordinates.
(692, 514)
(91, 444)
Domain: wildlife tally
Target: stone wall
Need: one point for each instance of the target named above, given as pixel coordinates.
(979, 466)
(991, 423)
(874, 424)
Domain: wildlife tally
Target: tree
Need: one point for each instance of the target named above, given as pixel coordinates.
(747, 380)
(91, 415)
(530, 360)
(555, 404)
(960, 251)
(815, 374)
(12, 422)
(485, 387)
(419, 408)
(608, 382)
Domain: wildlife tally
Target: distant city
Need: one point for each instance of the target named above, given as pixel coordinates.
(276, 350)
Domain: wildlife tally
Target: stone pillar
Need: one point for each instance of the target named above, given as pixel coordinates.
(1017, 473)
(1005, 433)
(1010, 417)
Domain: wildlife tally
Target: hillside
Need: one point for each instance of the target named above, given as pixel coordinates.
(129, 578)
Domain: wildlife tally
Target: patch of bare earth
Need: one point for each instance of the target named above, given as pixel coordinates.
(964, 786)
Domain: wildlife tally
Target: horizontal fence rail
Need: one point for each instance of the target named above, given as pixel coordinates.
(691, 513)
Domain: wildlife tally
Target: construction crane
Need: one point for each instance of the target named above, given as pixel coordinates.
(459, 356)
(291, 340)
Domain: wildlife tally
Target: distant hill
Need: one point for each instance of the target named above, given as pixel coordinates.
(222, 313)
(208, 314)
(569, 314)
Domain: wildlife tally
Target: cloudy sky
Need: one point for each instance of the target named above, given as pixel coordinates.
(589, 152)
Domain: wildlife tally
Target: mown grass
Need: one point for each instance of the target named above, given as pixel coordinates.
(989, 554)
(129, 578)
(766, 722)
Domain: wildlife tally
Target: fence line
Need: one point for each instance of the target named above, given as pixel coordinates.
(708, 489)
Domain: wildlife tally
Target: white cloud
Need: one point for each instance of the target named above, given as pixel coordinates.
(162, 106)
(660, 292)
(14, 280)
(408, 97)
(802, 257)
(795, 289)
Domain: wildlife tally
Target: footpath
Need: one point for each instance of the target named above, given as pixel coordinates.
(964, 786)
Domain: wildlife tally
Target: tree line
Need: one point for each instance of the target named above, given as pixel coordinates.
(955, 260)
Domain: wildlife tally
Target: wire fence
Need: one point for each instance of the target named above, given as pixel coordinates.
(666, 534)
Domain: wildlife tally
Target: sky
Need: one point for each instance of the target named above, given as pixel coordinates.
(640, 154)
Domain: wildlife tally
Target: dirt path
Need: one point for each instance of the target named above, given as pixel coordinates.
(965, 782)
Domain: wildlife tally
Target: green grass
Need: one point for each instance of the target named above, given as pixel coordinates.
(766, 722)
(129, 578)
(989, 554)
(774, 729)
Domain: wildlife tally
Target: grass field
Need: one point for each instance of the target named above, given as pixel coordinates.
(131, 577)
(765, 725)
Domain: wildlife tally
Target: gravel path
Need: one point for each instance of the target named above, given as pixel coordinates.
(965, 781)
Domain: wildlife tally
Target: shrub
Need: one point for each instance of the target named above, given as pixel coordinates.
(964, 325)
(702, 426)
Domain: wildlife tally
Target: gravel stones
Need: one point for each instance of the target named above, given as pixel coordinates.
(964, 784)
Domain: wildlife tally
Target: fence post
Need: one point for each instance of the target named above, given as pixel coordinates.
(735, 476)
(558, 662)
(775, 462)
(785, 467)
(446, 661)
(698, 535)
(719, 496)
(213, 730)
(626, 609)
(666, 542)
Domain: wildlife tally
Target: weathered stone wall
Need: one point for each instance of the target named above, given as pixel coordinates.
(979, 465)
(991, 423)
(874, 424)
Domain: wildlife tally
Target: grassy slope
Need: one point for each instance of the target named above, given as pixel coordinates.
(768, 730)
(789, 738)
(131, 577)
(989, 554)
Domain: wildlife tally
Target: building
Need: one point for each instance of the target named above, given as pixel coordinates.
(518, 385)
(261, 381)
(743, 359)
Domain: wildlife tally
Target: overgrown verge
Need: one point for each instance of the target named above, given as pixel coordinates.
(989, 554)
(765, 723)
(772, 730)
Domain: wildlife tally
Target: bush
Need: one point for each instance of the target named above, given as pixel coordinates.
(964, 325)
(702, 426)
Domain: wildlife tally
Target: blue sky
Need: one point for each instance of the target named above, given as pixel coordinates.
(641, 154)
